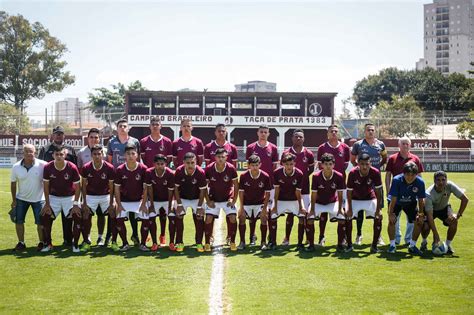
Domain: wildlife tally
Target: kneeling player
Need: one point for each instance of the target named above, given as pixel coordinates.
(160, 182)
(327, 188)
(364, 193)
(437, 204)
(254, 195)
(190, 190)
(287, 181)
(130, 195)
(223, 184)
(61, 192)
(97, 191)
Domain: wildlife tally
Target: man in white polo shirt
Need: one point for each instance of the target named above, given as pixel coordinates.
(27, 190)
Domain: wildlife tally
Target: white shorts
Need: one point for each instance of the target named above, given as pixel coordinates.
(163, 204)
(59, 204)
(306, 200)
(370, 206)
(93, 202)
(187, 203)
(270, 200)
(220, 205)
(253, 210)
(330, 208)
(287, 206)
(129, 206)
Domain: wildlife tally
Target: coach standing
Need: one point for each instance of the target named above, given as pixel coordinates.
(46, 154)
(27, 174)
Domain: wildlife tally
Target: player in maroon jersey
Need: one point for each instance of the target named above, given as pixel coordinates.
(187, 143)
(304, 161)
(160, 182)
(220, 142)
(130, 195)
(155, 143)
(97, 190)
(364, 193)
(326, 197)
(190, 190)
(342, 155)
(61, 192)
(223, 184)
(254, 195)
(288, 181)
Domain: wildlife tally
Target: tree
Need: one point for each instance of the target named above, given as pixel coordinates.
(465, 129)
(12, 121)
(111, 102)
(402, 116)
(31, 61)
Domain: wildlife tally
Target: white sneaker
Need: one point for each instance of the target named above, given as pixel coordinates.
(46, 249)
(285, 242)
(380, 242)
(358, 240)
(322, 242)
(75, 249)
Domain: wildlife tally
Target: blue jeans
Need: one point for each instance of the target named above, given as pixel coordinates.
(22, 208)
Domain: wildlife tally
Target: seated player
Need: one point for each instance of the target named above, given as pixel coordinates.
(160, 182)
(254, 195)
(223, 184)
(97, 191)
(190, 190)
(437, 204)
(364, 193)
(327, 189)
(62, 190)
(407, 191)
(288, 181)
(130, 195)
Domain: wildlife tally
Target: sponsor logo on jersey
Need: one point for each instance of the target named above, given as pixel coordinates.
(103, 176)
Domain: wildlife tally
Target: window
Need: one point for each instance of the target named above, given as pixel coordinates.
(164, 105)
(267, 106)
(189, 105)
(290, 106)
(140, 104)
(242, 106)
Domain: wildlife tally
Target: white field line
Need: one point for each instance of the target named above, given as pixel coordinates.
(216, 287)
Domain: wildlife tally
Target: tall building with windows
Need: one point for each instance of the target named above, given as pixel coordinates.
(256, 86)
(448, 36)
(73, 112)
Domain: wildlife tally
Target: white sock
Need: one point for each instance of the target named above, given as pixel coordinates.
(412, 243)
(448, 243)
(392, 242)
(100, 235)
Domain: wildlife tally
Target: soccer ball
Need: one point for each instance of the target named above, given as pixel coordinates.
(440, 249)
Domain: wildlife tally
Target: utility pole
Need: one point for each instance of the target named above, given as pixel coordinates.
(46, 120)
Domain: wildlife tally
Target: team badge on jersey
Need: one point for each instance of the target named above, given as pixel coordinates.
(103, 176)
(305, 159)
(295, 182)
(260, 184)
(369, 181)
(333, 186)
(66, 176)
(165, 182)
(194, 181)
(226, 178)
(138, 177)
(415, 189)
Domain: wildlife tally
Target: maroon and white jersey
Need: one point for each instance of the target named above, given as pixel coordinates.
(190, 185)
(210, 151)
(288, 184)
(268, 155)
(61, 182)
(327, 188)
(181, 147)
(98, 179)
(130, 181)
(396, 162)
(221, 187)
(342, 155)
(149, 148)
(161, 184)
(304, 160)
(362, 187)
(254, 188)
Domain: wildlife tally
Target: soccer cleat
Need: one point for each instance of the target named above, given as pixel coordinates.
(375, 250)
(200, 248)
(253, 240)
(85, 247)
(424, 245)
(143, 248)
(47, 248)
(285, 242)
(322, 241)
(207, 248)
(135, 241)
(358, 240)
(241, 246)
(349, 249)
(172, 247)
(154, 247)
(19, 247)
(180, 247)
(40, 246)
(450, 251)
(107, 241)
(271, 246)
(414, 250)
(233, 247)
(100, 241)
(340, 249)
(310, 248)
(263, 246)
(392, 249)
(162, 240)
(299, 247)
(75, 249)
(380, 241)
(124, 248)
(114, 247)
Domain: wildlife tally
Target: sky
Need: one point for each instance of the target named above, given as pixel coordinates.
(311, 46)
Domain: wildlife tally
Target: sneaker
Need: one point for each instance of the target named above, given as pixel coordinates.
(180, 247)
(392, 249)
(114, 247)
(47, 248)
(172, 247)
(322, 241)
(227, 241)
(162, 240)
(124, 248)
(310, 248)
(40, 246)
(380, 241)
(211, 240)
(154, 247)
(200, 248)
(450, 251)
(241, 246)
(358, 240)
(397, 242)
(414, 250)
(263, 246)
(100, 241)
(424, 246)
(253, 240)
(207, 248)
(107, 241)
(349, 249)
(135, 240)
(75, 249)
(143, 248)
(340, 249)
(19, 247)
(285, 242)
(85, 247)
(233, 247)
(375, 250)
(271, 246)
(299, 247)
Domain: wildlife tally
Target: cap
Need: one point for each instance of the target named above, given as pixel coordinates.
(58, 129)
